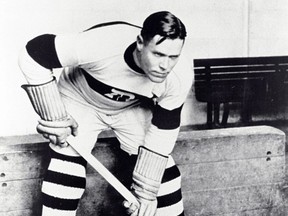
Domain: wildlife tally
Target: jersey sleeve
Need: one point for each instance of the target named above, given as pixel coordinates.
(46, 52)
(40, 56)
(163, 132)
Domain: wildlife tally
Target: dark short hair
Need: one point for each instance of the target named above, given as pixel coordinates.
(165, 24)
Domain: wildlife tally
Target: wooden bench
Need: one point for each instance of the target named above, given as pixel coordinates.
(231, 171)
(239, 80)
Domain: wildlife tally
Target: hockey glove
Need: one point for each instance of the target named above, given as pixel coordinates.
(46, 100)
(147, 176)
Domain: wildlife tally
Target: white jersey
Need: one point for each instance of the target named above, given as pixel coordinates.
(107, 76)
(101, 69)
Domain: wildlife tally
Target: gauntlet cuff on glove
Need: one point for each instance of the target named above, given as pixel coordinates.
(148, 173)
(46, 100)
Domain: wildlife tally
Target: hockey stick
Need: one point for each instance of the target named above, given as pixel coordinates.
(46, 101)
(104, 172)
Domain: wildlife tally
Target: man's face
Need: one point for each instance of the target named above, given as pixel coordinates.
(157, 60)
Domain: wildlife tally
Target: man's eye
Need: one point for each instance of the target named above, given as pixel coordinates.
(173, 57)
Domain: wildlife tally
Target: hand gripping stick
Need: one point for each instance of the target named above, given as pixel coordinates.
(47, 103)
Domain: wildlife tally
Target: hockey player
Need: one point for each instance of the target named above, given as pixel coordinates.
(120, 76)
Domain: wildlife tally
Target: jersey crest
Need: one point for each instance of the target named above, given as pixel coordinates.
(119, 95)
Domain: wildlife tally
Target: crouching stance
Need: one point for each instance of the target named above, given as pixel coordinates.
(133, 80)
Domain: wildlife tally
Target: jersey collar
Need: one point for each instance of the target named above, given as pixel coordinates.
(128, 56)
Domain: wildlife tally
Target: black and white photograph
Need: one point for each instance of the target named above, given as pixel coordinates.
(143, 108)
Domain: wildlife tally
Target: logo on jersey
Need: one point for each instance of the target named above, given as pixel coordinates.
(120, 96)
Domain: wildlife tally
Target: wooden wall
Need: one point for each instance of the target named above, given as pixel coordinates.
(237, 171)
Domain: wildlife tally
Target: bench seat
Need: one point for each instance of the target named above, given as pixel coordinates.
(244, 80)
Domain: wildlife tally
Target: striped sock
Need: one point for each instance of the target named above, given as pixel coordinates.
(169, 196)
(63, 185)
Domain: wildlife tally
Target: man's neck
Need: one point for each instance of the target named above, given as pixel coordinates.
(133, 59)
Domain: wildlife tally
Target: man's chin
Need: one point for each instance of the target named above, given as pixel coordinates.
(157, 79)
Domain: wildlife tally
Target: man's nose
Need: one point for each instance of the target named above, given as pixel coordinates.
(164, 63)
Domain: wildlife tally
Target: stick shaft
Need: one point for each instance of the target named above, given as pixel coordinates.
(105, 173)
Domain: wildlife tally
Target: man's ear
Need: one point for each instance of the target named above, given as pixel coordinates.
(139, 42)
